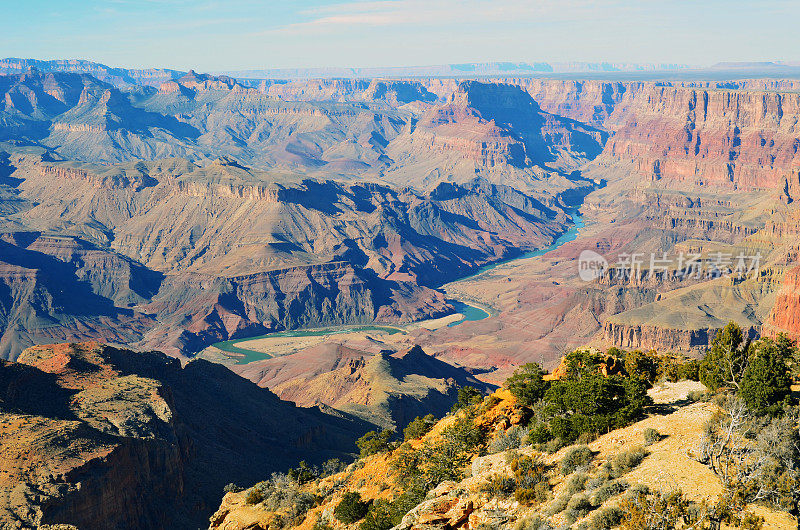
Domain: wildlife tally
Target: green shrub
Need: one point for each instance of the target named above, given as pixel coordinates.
(281, 493)
(467, 396)
(726, 359)
(530, 474)
(254, 496)
(533, 522)
(528, 384)
(380, 516)
(606, 518)
(637, 490)
(419, 427)
(489, 402)
(766, 382)
(528, 470)
(374, 442)
(608, 490)
(464, 433)
(303, 473)
(651, 436)
(641, 365)
(442, 459)
(578, 507)
(559, 504)
(588, 402)
(628, 459)
(351, 508)
(405, 503)
(232, 488)
(553, 446)
(511, 439)
(499, 486)
(539, 435)
(538, 494)
(332, 466)
(598, 480)
(576, 457)
(690, 370)
(576, 483)
(669, 369)
(698, 396)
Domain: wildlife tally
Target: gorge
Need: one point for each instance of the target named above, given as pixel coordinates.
(316, 240)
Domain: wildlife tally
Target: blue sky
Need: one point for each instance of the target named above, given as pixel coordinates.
(213, 35)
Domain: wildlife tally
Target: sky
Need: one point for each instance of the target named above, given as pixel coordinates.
(224, 35)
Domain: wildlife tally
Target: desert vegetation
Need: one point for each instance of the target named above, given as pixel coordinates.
(535, 440)
(585, 402)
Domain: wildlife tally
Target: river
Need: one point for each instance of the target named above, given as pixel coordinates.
(469, 310)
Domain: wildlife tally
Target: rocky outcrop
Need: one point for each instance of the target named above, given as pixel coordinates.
(107, 180)
(644, 337)
(265, 193)
(133, 440)
(505, 127)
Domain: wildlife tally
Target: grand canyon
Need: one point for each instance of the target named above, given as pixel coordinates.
(269, 298)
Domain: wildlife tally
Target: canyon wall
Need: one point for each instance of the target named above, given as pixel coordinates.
(644, 337)
(785, 316)
(739, 136)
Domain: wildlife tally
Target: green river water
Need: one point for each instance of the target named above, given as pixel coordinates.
(468, 311)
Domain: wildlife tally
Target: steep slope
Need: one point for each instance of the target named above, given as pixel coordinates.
(483, 499)
(100, 437)
(59, 288)
(785, 315)
(735, 135)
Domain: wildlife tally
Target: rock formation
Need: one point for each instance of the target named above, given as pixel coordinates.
(385, 389)
(100, 437)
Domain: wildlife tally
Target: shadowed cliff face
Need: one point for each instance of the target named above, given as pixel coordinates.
(60, 288)
(150, 443)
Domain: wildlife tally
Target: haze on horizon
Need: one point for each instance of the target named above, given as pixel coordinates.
(215, 35)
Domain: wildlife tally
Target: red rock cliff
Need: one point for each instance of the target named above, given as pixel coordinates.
(785, 316)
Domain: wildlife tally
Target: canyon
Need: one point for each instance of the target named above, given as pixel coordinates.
(147, 210)
(238, 209)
